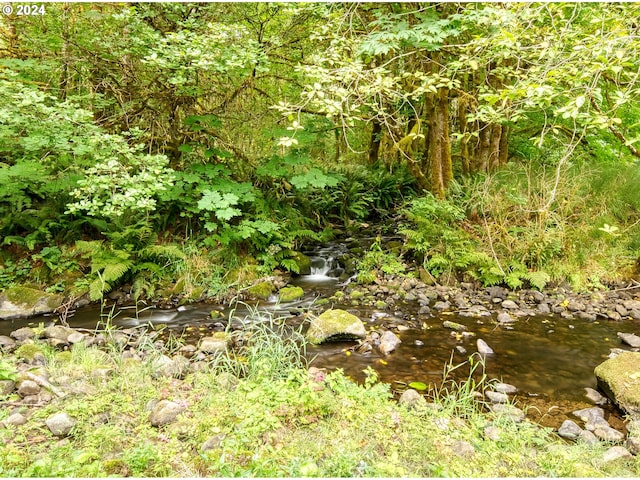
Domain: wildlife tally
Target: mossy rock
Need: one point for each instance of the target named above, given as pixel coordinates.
(335, 325)
(262, 290)
(23, 302)
(356, 294)
(290, 294)
(619, 378)
(30, 352)
(303, 262)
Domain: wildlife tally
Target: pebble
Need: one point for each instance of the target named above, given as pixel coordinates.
(15, 419)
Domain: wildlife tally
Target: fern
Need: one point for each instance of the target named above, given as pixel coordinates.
(290, 264)
(538, 279)
(98, 288)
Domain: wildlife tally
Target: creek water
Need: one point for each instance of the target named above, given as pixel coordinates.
(549, 359)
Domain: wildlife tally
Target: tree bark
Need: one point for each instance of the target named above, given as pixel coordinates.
(374, 143)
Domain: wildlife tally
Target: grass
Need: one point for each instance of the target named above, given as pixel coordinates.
(271, 419)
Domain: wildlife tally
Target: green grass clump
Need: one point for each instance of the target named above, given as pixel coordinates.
(261, 413)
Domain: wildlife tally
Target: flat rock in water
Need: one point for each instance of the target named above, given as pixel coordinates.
(388, 342)
(504, 388)
(335, 324)
(458, 327)
(569, 430)
(630, 339)
(504, 317)
(23, 302)
(619, 378)
(483, 348)
(496, 397)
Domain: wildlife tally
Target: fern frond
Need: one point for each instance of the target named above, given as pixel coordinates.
(98, 288)
(150, 267)
(290, 264)
(114, 271)
(169, 252)
(91, 247)
(538, 279)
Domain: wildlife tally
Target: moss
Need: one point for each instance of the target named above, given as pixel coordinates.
(289, 294)
(23, 295)
(619, 378)
(356, 294)
(29, 352)
(335, 324)
(303, 262)
(262, 290)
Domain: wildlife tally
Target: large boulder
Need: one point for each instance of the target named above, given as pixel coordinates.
(619, 378)
(23, 302)
(335, 325)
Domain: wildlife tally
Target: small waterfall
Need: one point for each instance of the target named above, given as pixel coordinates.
(324, 264)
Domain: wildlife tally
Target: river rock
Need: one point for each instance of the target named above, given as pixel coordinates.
(7, 386)
(616, 453)
(290, 294)
(15, 419)
(22, 334)
(496, 397)
(483, 347)
(504, 318)
(619, 379)
(509, 305)
(630, 339)
(28, 387)
(475, 311)
(58, 332)
(412, 399)
(589, 415)
(171, 367)
(440, 306)
(60, 424)
(23, 302)
(543, 309)
(595, 396)
(388, 342)
(7, 344)
(76, 337)
(608, 434)
(588, 437)
(262, 290)
(633, 445)
(462, 448)
(335, 325)
(165, 412)
(569, 430)
(635, 314)
(458, 327)
(504, 388)
(216, 343)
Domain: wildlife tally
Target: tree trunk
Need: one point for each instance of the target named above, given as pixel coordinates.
(374, 144)
(439, 145)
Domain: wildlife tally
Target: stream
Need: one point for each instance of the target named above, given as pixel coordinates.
(550, 359)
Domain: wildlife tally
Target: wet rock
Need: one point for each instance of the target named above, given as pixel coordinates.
(440, 306)
(509, 305)
(575, 306)
(613, 315)
(496, 397)
(616, 453)
(165, 412)
(621, 310)
(23, 302)
(594, 424)
(505, 318)
(483, 347)
(630, 339)
(569, 430)
(619, 379)
(631, 304)
(588, 316)
(504, 388)
(635, 314)
(412, 399)
(28, 387)
(388, 342)
(335, 324)
(76, 337)
(538, 297)
(509, 411)
(458, 327)
(216, 343)
(595, 396)
(544, 309)
(60, 424)
(497, 292)
(262, 290)
(475, 311)
(22, 334)
(58, 332)
(608, 434)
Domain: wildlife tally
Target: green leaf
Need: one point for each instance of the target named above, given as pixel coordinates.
(420, 386)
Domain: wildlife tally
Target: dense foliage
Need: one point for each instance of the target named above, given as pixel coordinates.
(195, 145)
